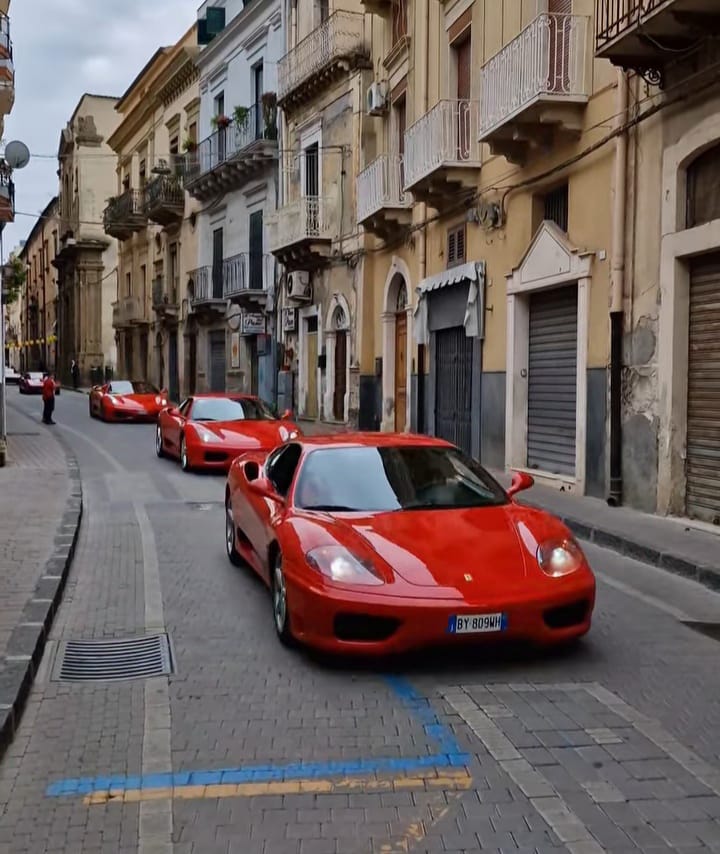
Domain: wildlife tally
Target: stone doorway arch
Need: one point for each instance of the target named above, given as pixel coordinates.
(397, 348)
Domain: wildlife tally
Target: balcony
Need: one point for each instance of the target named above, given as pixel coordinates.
(7, 69)
(7, 196)
(129, 311)
(165, 200)
(300, 234)
(248, 279)
(331, 50)
(125, 215)
(645, 35)
(442, 153)
(536, 87)
(230, 157)
(206, 285)
(383, 206)
(165, 301)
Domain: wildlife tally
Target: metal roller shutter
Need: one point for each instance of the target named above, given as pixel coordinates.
(218, 361)
(453, 387)
(703, 417)
(552, 381)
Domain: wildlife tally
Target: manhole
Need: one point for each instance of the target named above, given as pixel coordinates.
(114, 660)
(710, 630)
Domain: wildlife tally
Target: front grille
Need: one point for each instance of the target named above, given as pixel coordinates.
(364, 627)
(566, 616)
(215, 456)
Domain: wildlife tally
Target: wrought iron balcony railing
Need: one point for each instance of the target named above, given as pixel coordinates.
(247, 272)
(307, 218)
(380, 185)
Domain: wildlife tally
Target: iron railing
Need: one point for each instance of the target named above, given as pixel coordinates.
(341, 35)
(548, 58)
(164, 190)
(613, 18)
(447, 135)
(307, 218)
(125, 208)
(248, 271)
(228, 142)
(380, 185)
(207, 284)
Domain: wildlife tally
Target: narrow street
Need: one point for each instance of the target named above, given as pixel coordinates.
(249, 748)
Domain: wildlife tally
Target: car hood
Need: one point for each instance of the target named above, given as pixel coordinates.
(471, 549)
(135, 400)
(250, 434)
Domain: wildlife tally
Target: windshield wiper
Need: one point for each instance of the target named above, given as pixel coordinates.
(332, 508)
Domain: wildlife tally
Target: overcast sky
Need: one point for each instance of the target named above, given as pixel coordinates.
(62, 51)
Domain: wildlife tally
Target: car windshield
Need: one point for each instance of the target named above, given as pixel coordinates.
(403, 477)
(229, 409)
(126, 387)
(34, 376)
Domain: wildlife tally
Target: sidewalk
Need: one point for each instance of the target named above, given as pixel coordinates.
(40, 510)
(669, 543)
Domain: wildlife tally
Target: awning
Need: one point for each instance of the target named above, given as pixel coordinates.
(474, 321)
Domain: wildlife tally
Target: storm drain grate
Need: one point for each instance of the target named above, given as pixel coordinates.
(115, 660)
(710, 630)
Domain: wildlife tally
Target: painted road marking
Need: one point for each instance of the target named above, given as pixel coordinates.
(449, 780)
(450, 755)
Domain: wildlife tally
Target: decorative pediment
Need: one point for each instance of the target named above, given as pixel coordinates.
(550, 260)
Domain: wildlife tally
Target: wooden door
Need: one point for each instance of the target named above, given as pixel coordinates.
(464, 77)
(311, 404)
(340, 375)
(400, 371)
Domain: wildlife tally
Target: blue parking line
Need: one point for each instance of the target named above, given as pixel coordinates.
(449, 755)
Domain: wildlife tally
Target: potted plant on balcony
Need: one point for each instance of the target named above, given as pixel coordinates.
(269, 108)
(189, 145)
(220, 122)
(241, 115)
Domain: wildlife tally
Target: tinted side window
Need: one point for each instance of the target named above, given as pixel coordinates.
(281, 469)
(184, 407)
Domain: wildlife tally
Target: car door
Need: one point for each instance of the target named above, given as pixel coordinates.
(174, 424)
(263, 514)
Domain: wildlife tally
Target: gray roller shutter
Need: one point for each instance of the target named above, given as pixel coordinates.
(552, 381)
(218, 361)
(703, 417)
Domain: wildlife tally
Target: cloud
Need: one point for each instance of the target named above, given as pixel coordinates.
(96, 46)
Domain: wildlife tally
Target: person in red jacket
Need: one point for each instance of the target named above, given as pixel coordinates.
(48, 396)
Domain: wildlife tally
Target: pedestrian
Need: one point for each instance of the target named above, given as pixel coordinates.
(75, 373)
(48, 397)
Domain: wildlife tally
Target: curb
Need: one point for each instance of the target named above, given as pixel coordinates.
(28, 639)
(708, 576)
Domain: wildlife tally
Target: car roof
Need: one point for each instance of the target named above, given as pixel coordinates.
(209, 395)
(359, 439)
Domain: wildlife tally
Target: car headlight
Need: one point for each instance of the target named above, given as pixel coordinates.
(160, 400)
(338, 564)
(293, 434)
(206, 435)
(560, 557)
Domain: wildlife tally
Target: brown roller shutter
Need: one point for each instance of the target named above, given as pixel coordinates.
(703, 416)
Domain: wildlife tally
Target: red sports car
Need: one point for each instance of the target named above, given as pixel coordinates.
(122, 400)
(31, 382)
(380, 543)
(207, 431)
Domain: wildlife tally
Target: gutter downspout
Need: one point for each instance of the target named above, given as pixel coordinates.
(422, 13)
(617, 273)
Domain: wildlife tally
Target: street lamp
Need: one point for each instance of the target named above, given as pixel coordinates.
(17, 156)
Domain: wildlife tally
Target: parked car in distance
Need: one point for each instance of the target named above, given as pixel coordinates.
(31, 382)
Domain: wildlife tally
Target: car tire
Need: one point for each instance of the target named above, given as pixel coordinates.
(159, 442)
(230, 534)
(90, 410)
(281, 613)
(184, 460)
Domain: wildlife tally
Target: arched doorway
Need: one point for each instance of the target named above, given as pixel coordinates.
(401, 339)
(339, 326)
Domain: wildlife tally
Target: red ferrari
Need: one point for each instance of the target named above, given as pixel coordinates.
(122, 400)
(207, 431)
(380, 543)
(32, 382)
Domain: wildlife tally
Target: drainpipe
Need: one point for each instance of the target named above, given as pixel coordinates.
(617, 272)
(422, 13)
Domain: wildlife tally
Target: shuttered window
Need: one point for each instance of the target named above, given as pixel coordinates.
(703, 416)
(703, 188)
(552, 381)
(456, 246)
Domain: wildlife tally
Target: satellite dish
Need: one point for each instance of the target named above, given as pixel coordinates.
(17, 154)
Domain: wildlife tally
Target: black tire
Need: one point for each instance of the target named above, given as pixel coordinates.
(158, 442)
(230, 535)
(184, 461)
(281, 612)
(90, 410)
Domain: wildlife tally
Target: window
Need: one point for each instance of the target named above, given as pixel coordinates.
(229, 409)
(143, 173)
(703, 188)
(456, 246)
(192, 132)
(128, 284)
(217, 264)
(256, 249)
(219, 104)
(280, 468)
(174, 276)
(556, 208)
(399, 20)
(143, 285)
(257, 118)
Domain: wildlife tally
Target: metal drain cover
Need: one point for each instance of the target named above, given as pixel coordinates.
(114, 660)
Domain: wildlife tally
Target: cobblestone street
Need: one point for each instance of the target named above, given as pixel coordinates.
(249, 748)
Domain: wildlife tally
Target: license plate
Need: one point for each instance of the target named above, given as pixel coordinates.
(476, 623)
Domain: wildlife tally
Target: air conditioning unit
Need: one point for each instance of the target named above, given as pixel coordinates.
(298, 286)
(376, 99)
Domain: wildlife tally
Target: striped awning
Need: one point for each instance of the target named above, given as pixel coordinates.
(474, 322)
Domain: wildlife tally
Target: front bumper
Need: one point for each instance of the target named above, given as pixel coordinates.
(138, 416)
(377, 624)
(212, 456)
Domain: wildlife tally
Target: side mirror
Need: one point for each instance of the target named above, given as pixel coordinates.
(172, 411)
(262, 486)
(287, 415)
(520, 482)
